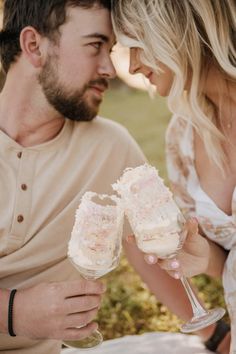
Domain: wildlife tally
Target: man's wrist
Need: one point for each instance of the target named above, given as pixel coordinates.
(4, 302)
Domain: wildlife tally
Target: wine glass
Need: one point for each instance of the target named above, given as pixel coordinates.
(95, 245)
(157, 224)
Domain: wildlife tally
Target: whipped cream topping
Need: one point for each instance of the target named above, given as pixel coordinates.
(151, 210)
(96, 233)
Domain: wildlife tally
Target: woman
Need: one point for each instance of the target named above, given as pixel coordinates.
(187, 49)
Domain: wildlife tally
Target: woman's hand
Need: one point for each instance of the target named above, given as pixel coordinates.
(193, 258)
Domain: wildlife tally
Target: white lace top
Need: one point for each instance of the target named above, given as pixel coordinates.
(194, 201)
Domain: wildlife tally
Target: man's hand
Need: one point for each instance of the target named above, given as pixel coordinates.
(57, 310)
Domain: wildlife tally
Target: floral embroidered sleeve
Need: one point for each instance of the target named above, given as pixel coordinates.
(216, 226)
(178, 165)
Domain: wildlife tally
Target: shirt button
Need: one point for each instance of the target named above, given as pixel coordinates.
(19, 154)
(24, 187)
(20, 218)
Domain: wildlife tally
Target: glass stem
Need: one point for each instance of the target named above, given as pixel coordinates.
(198, 309)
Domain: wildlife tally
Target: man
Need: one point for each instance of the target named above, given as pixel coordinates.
(56, 55)
(53, 148)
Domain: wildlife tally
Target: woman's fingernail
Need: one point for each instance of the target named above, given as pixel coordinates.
(150, 259)
(174, 264)
(176, 275)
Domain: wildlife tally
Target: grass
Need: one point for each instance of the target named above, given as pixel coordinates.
(128, 306)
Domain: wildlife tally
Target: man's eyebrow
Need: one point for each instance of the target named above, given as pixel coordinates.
(103, 37)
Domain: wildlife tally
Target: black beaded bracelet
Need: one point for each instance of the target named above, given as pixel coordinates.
(10, 313)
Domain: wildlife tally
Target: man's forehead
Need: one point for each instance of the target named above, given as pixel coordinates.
(95, 21)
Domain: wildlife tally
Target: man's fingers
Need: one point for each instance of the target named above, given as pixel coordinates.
(82, 303)
(80, 333)
(83, 287)
(80, 319)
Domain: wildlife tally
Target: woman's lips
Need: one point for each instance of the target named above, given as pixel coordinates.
(150, 78)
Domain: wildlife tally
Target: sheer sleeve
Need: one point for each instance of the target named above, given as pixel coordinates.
(178, 161)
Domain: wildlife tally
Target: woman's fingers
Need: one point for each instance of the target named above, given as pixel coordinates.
(150, 258)
(172, 266)
(130, 239)
(193, 257)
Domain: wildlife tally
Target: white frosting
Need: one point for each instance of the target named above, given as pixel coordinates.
(151, 210)
(162, 246)
(96, 233)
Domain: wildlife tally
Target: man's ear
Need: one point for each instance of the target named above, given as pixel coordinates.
(31, 43)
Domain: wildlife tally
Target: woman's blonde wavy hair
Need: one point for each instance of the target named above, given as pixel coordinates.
(187, 36)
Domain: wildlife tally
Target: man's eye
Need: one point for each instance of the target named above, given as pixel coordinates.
(96, 45)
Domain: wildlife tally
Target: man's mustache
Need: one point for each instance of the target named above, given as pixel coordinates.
(99, 82)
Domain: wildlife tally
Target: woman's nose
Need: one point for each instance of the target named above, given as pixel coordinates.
(134, 61)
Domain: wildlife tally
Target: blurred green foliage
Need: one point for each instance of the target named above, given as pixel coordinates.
(128, 306)
(145, 118)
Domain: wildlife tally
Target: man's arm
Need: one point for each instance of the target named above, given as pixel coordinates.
(53, 310)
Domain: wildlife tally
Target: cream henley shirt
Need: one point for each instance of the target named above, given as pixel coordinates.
(41, 187)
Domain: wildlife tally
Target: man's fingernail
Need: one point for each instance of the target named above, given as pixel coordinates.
(174, 264)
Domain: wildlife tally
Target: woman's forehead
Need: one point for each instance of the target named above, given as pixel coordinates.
(129, 42)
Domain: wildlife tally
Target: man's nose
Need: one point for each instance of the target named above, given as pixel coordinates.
(134, 61)
(107, 69)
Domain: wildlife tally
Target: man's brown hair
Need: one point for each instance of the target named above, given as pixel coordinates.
(46, 16)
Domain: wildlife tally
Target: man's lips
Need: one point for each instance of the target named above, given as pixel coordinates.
(99, 89)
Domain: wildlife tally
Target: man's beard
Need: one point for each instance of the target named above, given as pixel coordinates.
(70, 104)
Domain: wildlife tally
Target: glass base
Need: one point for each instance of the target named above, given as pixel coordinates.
(199, 322)
(90, 342)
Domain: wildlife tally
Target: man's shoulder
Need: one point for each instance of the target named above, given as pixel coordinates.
(109, 126)
(109, 137)
(104, 129)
